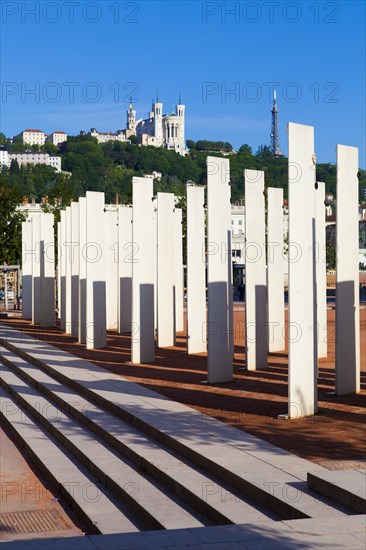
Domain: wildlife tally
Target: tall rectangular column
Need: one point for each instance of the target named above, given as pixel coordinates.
(68, 261)
(302, 273)
(111, 260)
(36, 269)
(347, 273)
(96, 323)
(256, 322)
(196, 271)
(166, 270)
(220, 288)
(275, 270)
(143, 271)
(82, 271)
(62, 265)
(74, 259)
(321, 270)
(27, 254)
(58, 271)
(178, 261)
(127, 254)
(47, 271)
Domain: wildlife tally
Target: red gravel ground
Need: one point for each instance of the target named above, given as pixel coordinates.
(252, 401)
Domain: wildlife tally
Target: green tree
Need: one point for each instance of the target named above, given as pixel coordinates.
(246, 149)
(50, 148)
(10, 221)
(134, 140)
(263, 151)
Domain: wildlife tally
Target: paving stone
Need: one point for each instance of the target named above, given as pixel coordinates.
(151, 539)
(74, 543)
(328, 525)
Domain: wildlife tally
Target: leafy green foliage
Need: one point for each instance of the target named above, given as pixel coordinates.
(10, 221)
(109, 167)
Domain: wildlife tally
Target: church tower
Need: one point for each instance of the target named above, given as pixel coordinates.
(157, 111)
(180, 111)
(131, 122)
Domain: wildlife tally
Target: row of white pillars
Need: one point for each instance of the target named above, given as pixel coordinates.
(101, 287)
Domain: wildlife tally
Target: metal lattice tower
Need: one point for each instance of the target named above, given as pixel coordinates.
(275, 138)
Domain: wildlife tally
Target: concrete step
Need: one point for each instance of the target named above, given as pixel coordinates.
(347, 487)
(204, 492)
(65, 476)
(144, 498)
(263, 472)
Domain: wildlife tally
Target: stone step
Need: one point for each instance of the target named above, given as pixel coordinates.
(204, 492)
(345, 486)
(65, 476)
(144, 498)
(263, 472)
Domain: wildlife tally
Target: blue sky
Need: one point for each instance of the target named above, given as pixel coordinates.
(83, 59)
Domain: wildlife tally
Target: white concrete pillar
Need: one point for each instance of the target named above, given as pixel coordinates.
(111, 259)
(36, 269)
(96, 335)
(126, 256)
(27, 255)
(347, 273)
(256, 321)
(143, 272)
(275, 270)
(196, 271)
(154, 266)
(166, 270)
(74, 259)
(47, 271)
(58, 270)
(220, 289)
(302, 273)
(62, 264)
(82, 271)
(68, 262)
(178, 260)
(321, 270)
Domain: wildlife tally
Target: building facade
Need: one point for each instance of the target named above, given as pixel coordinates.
(33, 137)
(31, 158)
(105, 137)
(57, 137)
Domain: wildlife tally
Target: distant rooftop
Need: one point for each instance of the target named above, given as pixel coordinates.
(30, 130)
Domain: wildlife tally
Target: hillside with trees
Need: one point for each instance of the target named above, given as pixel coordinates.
(109, 167)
